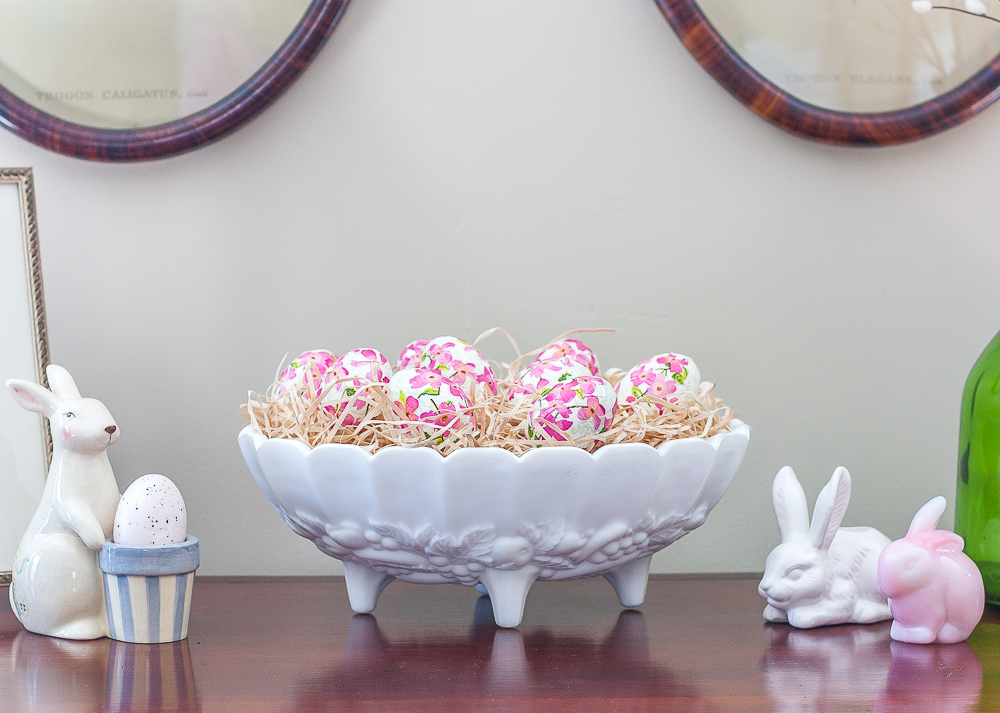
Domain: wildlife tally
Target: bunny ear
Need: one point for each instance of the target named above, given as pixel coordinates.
(61, 382)
(831, 506)
(33, 396)
(927, 517)
(790, 506)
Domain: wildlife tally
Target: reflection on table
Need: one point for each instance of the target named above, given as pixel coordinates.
(846, 665)
(946, 678)
(40, 674)
(490, 662)
(292, 645)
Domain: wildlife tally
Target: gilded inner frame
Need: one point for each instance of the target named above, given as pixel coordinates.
(30, 304)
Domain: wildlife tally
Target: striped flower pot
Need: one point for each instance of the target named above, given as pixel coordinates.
(147, 590)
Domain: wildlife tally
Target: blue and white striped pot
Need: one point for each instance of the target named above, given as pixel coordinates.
(147, 590)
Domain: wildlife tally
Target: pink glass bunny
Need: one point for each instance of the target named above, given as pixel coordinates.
(935, 591)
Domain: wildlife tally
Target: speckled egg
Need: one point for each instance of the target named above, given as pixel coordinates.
(411, 354)
(351, 373)
(461, 363)
(426, 396)
(664, 376)
(151, 512)
(583, 407)
(541, 376)
(574, 350)
(306, 373)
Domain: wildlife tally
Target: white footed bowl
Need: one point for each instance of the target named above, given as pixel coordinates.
(483, 516)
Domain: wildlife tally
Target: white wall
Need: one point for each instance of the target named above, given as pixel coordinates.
(450, 165)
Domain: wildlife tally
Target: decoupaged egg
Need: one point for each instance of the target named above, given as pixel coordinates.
(664, 376)
(461, 363)
(151, 512)
(307, 373)
(348, 378)
(425, 396)
(583, 408)
(411, 354)
(541, 376)
(574, 350)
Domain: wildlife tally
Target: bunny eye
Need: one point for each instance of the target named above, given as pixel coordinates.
(795, 572)
(69, 414)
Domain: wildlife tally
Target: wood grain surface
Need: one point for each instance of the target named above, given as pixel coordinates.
(697, 644)
(786, 111)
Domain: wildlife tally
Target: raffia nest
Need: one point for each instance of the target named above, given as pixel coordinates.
(499, 422)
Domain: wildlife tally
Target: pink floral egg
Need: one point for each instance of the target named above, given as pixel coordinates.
(306, 373)
(541, 376)
(425, 396)
(574, 350)
(664, 376)
(411, 354)
(583, 407)
(347, 380)
(461, 363)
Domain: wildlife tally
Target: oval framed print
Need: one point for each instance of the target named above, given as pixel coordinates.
(856, 72)
(127, 81)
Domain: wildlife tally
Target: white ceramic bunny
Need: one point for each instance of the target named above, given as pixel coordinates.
(821, 573)
(57, 587)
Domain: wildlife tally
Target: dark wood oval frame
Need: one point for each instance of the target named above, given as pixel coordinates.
(835, 127)
(193, 131)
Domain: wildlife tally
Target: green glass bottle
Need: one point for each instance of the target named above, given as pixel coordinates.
(977, 502)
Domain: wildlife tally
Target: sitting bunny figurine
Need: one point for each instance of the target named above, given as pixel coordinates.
(57, 588)
(823, 573)
(935, 591)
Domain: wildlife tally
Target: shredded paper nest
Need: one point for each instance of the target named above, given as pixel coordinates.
(499, 422)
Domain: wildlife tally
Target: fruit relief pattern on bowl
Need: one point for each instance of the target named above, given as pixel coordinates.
(483, 516)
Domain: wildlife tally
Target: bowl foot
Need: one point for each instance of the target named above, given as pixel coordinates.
(629, 581)
(364, 584)
(507, 589)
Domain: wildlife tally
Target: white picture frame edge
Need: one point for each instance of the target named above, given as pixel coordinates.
(24, 180)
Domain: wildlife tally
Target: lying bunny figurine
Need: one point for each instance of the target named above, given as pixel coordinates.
(57, 588)
(935, 591)
(820, 574)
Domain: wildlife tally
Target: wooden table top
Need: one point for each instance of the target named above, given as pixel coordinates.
(697, 644)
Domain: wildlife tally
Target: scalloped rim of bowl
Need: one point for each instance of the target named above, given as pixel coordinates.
(482, 457)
